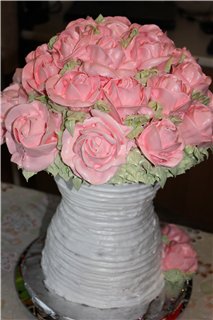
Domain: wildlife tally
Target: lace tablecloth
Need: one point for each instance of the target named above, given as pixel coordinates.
(25, 215)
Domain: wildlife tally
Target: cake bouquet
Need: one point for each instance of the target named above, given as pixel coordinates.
(110, 109)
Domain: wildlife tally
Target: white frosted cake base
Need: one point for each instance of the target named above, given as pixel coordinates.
(50, 306)
(103, 247)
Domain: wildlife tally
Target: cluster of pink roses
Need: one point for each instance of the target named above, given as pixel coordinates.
(123, 85)
(177, 252)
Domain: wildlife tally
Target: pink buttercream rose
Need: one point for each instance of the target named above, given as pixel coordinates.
(197, 125)
(31, 135)
(40, 50)
(97, 148)
(81, 24)
(174, 233)
(179, 256)
(36, 72)
(149, 48)
(64, 45)
(191, 74)
(126, 95)
(10, 97)
(106, 58)
(161, 143)
(74, 89)
(170, 92)
(117, 25)
(180, 55)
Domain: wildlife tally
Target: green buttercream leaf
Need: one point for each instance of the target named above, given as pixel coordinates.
(99, 19)
(175, 119)
(136, 122)
(168, 65)
(102, 106)
(32, 96)
(134, 133)
(165, 239)
(126, 42)
(174, 282)
(56, 107)
(28, 174)
(69, 66)
(157, 108)
(77, 182)
(51, 42)
(70, 126)
(143, 76)
(199, 96)
(182, 58)
(73, 117)
(41, 98)
(60, 168)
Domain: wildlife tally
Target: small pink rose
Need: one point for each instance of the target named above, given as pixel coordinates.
(197, 125)
(117, 25)
(126, 95)
(31, 135)
(64, 46)
(161, 143)
(106, 58)
(81, 24)
(40, 50)
(74, 89)
(179, 256)
(180, 55)
(149, 49)
(191, 74)
(170, 92)
(10, 97)
(97, 149)
(37, 72)
(175, 233)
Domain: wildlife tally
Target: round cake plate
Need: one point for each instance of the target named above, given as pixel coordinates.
(45, 305)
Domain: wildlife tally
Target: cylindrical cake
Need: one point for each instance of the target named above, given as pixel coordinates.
(103, 246)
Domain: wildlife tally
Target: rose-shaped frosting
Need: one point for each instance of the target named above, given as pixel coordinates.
(31, 135)
(197, 125)
(10, 97)
(179, 256)
(117, 25)
(170, 92)
(97, 148)
(36, 72)
(106, 58)
(174, 233)
(150, 48)
(74, 89)
(191, 74)
(161, 143)
(40, 50)
(126, 95)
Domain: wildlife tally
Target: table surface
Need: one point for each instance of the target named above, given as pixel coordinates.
(25, 215)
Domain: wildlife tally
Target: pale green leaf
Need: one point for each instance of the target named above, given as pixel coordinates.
(99, 19)
(77, 182)
(143, 76)
(69, 66)
(28, 174)
(51, 42)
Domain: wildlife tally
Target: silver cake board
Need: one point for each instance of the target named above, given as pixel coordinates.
(51, 306)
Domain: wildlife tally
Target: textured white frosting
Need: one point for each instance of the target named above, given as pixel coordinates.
(103, 246)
